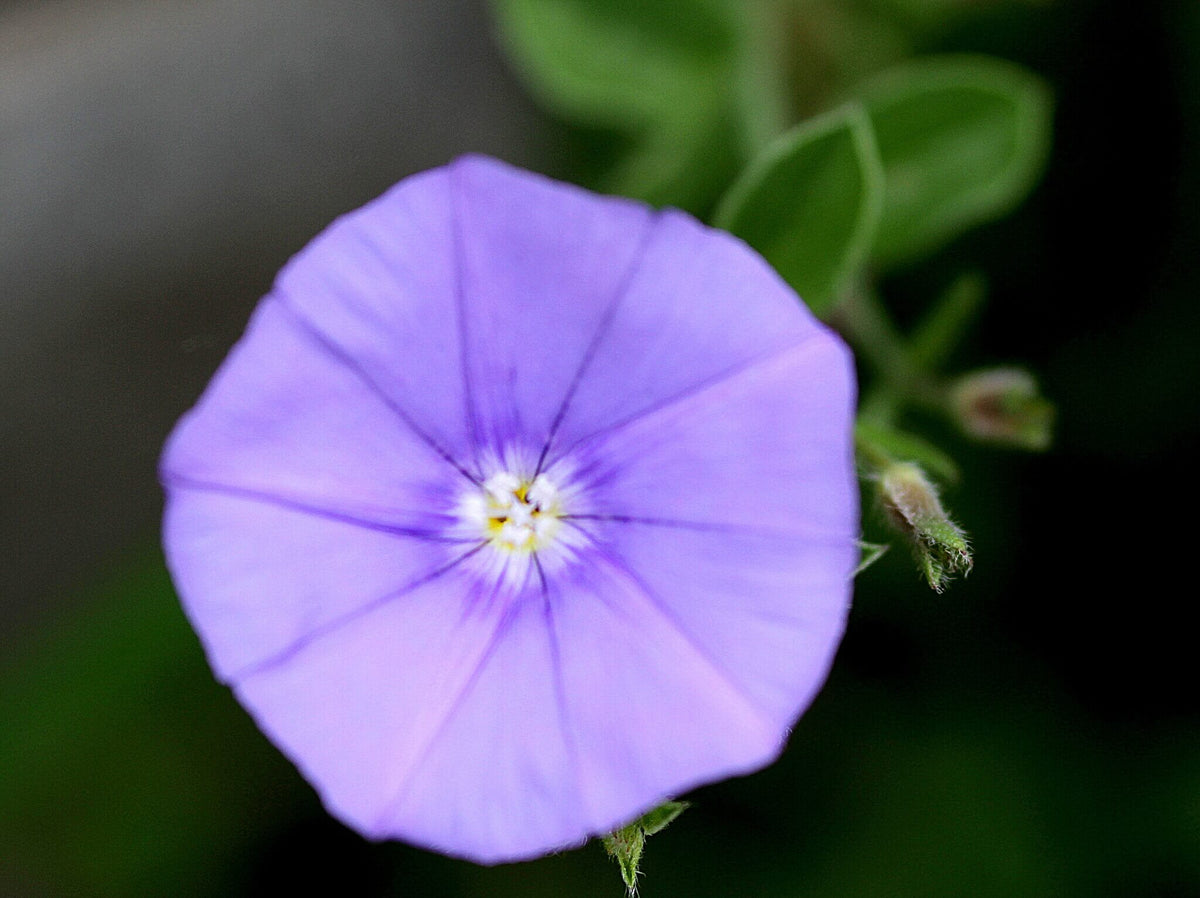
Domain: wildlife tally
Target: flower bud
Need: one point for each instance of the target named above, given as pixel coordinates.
(1002, 405)
(912, 505)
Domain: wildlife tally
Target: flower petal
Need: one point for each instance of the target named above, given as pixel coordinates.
(259, 580)
(362, 708)
(701, 305)
(527, 336)
(766, 448)
(329, 533)
(500, 782)
(381, 286)
(285, 420)
(768, 610)
(651, 712)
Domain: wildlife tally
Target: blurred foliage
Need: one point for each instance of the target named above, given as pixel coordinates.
(701, 87)
(665, 73)
(1035, 735)
(126, 769)
(962, 139)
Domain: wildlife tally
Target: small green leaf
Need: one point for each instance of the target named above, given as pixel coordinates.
(810, 203)
(871, 553)
(962, 140)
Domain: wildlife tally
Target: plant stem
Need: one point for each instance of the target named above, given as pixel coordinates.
(866, 323)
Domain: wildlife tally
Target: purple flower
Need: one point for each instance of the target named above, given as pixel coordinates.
(517, 510)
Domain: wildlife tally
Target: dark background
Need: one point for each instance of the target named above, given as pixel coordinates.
(1033, 731)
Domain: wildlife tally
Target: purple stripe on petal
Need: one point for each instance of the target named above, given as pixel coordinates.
(432, 527)
(772, 610)
(700, 305)
(767, 448)
(283, 417)
(380, 284)
(359, 709)
(257, 579)
(651, 711)
(384, 394)
(527, 338)
(500, 783)
(288, 654)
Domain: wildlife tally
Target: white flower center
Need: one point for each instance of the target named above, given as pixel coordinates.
(514, 514)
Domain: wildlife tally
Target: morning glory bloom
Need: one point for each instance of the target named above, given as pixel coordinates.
(518, 510)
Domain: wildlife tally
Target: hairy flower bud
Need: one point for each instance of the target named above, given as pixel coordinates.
(1003, 405)
(912, 505)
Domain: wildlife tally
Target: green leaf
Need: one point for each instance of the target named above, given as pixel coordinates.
(618, 63)
(810, 203)
(962, 139)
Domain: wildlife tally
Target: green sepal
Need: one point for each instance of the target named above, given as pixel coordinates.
(662, 816)
(1003, 406)
(627, 843)
(942, 551)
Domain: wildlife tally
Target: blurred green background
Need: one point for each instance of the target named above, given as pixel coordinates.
(1033, 731)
